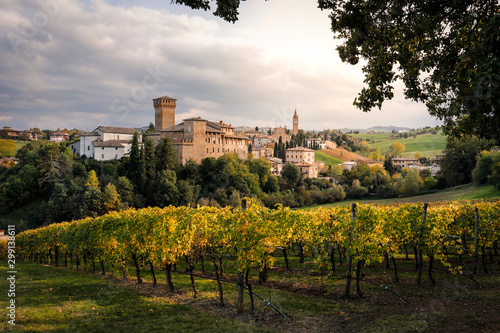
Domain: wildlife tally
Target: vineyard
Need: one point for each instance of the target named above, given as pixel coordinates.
(231, 245)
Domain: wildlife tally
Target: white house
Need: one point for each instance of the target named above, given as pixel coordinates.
(59, 137)
(105, 143)
(349, 165)
(316, 141)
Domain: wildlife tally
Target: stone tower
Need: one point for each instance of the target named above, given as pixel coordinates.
(295, 123)
(164, 112)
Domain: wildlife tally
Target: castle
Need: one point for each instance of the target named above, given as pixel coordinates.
(196, 138)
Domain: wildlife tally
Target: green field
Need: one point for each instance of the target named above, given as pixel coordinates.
(428, 145)
(329, 160)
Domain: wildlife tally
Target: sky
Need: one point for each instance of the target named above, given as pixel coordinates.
(82, 64)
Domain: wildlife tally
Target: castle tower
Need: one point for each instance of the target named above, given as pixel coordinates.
(164, 112)
(295, 123)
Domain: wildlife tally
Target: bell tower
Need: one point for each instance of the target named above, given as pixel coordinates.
(164, 112)
(295, 123)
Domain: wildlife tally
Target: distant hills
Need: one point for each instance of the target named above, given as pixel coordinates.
(383, 129)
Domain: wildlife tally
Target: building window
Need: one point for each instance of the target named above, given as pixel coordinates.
(102, 148)
(88, 147)
(102, 156)
(207, 150)
(118, 137)
(116, 148)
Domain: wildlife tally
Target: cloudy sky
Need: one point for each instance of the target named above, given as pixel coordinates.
(81, 64)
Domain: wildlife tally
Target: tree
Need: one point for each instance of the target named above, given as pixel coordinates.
(357, 191)
(397, 148)
(447, 53)
(291, 174)
(459, 159)
(136, 166)
(111, 199)
(166, 156)
(388, 166)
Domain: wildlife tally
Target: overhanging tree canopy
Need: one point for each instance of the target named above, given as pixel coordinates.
(447, 53)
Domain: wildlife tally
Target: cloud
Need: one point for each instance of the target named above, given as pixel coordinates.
(83, 64)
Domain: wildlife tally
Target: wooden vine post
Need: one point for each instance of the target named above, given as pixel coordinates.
(476, 231)
(419, 250)
(241, 287)
(348, 253)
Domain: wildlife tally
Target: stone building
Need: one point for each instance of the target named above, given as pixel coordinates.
(196, 138)
(304, 159)
(281, 132)
(299, 154)
(295, 123)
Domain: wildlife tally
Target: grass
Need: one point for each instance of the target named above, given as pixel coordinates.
(329, 160)
(428, 145)
(60, 300)
(464, 192)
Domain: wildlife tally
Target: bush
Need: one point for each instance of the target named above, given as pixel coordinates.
(357, 191)
(336, 193)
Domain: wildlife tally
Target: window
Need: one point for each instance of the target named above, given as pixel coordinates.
(116, 148)
(102, 156)
(118, 137)
(102, 148)
(88, 147)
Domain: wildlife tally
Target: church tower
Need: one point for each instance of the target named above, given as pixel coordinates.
(164, 112)
(295, 123)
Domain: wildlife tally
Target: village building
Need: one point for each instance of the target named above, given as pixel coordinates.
(322, 144)
(252, 133)
(260, 152)
(299, 154)
(276, 166)
(196, 138)
(281, 132)
(403, 162)
(59, 137)
(304, 159)
(348, 165)
(295, 130)
(9, 132)
(308, 170)
(262, 140)
(321, 166)
(104, 143)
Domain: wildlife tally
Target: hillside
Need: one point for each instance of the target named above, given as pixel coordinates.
(344, 155)
(327, 159)
(427, 145)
